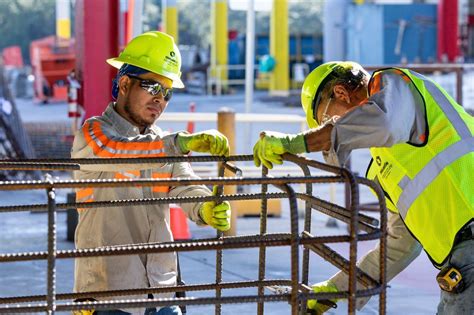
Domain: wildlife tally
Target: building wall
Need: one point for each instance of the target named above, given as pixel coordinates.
(375, 31)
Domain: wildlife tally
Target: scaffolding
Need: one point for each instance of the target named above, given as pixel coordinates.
(294, 290)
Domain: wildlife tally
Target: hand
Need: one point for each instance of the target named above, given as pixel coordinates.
(217, 216)
(211, 141)
(272, 145)
(322, 306)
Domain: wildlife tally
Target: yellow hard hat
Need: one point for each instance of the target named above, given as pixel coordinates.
(313, 86)
(153, 51)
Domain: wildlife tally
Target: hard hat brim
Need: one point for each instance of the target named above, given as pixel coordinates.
(177, 83)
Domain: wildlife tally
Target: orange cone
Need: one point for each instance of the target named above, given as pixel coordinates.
(190, 126)
(179, 223)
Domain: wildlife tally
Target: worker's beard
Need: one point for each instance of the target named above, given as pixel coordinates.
(135, 117)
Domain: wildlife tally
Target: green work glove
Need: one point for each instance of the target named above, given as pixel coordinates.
(211, 141)
(272, 145)
(325, 286)
(217, 216)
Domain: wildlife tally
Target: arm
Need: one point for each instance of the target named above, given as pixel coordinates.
(209, 212)
(97, 139)
(184, 170)
(393, 114)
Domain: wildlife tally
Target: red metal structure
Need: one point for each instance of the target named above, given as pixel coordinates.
(448, 33)
(51, 63)
(97, 39)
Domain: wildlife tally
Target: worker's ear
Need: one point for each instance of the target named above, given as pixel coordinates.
(124, 84)
(341, 93)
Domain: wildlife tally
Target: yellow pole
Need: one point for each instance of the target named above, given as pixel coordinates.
(170, 18)
(279, 48)
(63, 22)
(219, 43)
(226, 125)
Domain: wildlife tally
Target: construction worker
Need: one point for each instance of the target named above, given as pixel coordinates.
(422, 148)
(149, 69)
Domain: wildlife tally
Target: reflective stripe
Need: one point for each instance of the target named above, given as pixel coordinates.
(404, 182)
(127, 175)
(101, 149)
(446, 106)
(431, 170)
(106, 136)
(163, 189)
(84, 192)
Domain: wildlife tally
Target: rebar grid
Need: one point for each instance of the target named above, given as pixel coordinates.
(299, 293)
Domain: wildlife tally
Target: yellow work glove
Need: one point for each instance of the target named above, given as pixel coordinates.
(211, 141)
(273, 144)
(216, 215)
(320, 308)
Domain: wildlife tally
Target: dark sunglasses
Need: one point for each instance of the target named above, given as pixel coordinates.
(153, 87)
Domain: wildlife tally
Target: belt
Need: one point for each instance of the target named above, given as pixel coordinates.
(466, 233)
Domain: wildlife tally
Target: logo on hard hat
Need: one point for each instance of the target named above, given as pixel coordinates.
(172, 59)
(378, 160)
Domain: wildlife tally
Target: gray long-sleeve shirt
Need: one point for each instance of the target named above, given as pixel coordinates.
(395, 114)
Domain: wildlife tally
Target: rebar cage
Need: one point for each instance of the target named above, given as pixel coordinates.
(361, 228)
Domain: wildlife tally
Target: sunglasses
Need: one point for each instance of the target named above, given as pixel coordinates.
(153, 87)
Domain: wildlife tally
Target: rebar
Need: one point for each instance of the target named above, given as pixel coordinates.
(296, 297)
(262, 251)
(51, 275)
(220, 192)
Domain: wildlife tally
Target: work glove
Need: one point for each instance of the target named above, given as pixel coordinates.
(319, 307)
(273, 144)
(211, 141)
(217, 216)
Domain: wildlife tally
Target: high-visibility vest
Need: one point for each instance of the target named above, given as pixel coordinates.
(431, 185)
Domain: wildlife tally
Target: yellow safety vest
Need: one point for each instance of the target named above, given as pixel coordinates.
(432, 185)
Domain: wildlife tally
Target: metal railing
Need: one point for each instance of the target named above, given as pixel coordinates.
(362, 228)
(216, 74)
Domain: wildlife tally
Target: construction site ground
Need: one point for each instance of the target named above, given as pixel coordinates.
(414, 291)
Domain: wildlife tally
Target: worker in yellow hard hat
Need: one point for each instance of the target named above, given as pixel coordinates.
(149, 70)
(422, 146)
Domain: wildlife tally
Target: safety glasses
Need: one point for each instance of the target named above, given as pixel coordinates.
(317, 97)
(153, 87)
